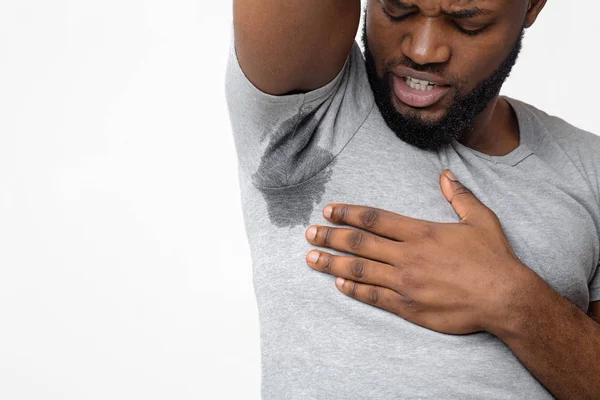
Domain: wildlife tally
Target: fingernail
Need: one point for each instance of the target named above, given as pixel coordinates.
(327, 211)
(311, 233)
(451, 176)
(339, 281)
(313, 256)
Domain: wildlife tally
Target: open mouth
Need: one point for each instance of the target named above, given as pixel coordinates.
(417, 84)
(417, 92)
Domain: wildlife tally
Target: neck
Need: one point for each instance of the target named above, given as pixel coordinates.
(496, 130)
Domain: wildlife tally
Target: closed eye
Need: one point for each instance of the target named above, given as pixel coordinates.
(396, 18)
(467, 32)
(470, 32)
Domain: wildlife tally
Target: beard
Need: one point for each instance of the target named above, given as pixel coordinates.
(461, 114)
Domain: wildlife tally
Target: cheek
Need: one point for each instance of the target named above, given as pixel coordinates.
(384, 43)
(380, 53)
(480, 62)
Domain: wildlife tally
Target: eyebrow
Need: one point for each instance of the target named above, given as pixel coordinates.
(460, 14)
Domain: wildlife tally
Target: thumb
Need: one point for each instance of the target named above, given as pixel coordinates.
(468, 207)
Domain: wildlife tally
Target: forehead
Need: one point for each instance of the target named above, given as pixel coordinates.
(436, 6)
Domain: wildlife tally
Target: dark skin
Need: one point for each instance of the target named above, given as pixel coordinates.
(483, 287)
(429, 36)
(458, 278)
(464, 277)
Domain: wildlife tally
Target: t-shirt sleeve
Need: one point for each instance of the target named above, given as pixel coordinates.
(591, 164)
(285, 140)
(590, 159)
(583, 148)
(595, 286)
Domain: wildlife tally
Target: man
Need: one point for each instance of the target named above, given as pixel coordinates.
(477, 285)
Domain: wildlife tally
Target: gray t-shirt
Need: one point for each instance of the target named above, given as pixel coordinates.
(298, 153)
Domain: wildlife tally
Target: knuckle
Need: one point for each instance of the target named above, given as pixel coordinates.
(353, 289)
(357, 268)
(462, 191)
(413, 259)
(355, 240)
(422, 231)
(370, 217)
(409, 280)
(373, 296)
(327, 233)
(411, 304)
(342, 213)
(328, 263)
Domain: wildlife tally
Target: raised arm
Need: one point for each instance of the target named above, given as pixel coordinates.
(293, 46)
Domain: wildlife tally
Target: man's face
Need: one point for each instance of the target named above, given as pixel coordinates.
(435, 65)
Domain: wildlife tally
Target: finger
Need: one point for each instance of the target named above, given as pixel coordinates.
(353, 241)
(468, 207)
(380, 222)
(354, 268)
(377, 296)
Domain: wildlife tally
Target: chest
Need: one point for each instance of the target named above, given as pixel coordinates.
(549, 223)
(548, 220)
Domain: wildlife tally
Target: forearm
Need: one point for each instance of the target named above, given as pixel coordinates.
(556, 341)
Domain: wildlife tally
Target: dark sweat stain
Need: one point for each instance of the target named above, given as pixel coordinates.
(290, 176)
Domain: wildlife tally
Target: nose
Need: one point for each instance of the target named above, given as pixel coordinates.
(425, 43)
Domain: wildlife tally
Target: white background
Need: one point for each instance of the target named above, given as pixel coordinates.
(124, 267)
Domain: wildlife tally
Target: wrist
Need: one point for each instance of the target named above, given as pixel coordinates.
(512, 302)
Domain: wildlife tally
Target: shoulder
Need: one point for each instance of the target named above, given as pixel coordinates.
(556, 138)
(567, 135)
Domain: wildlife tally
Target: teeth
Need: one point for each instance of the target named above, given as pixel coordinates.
(417, 84)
